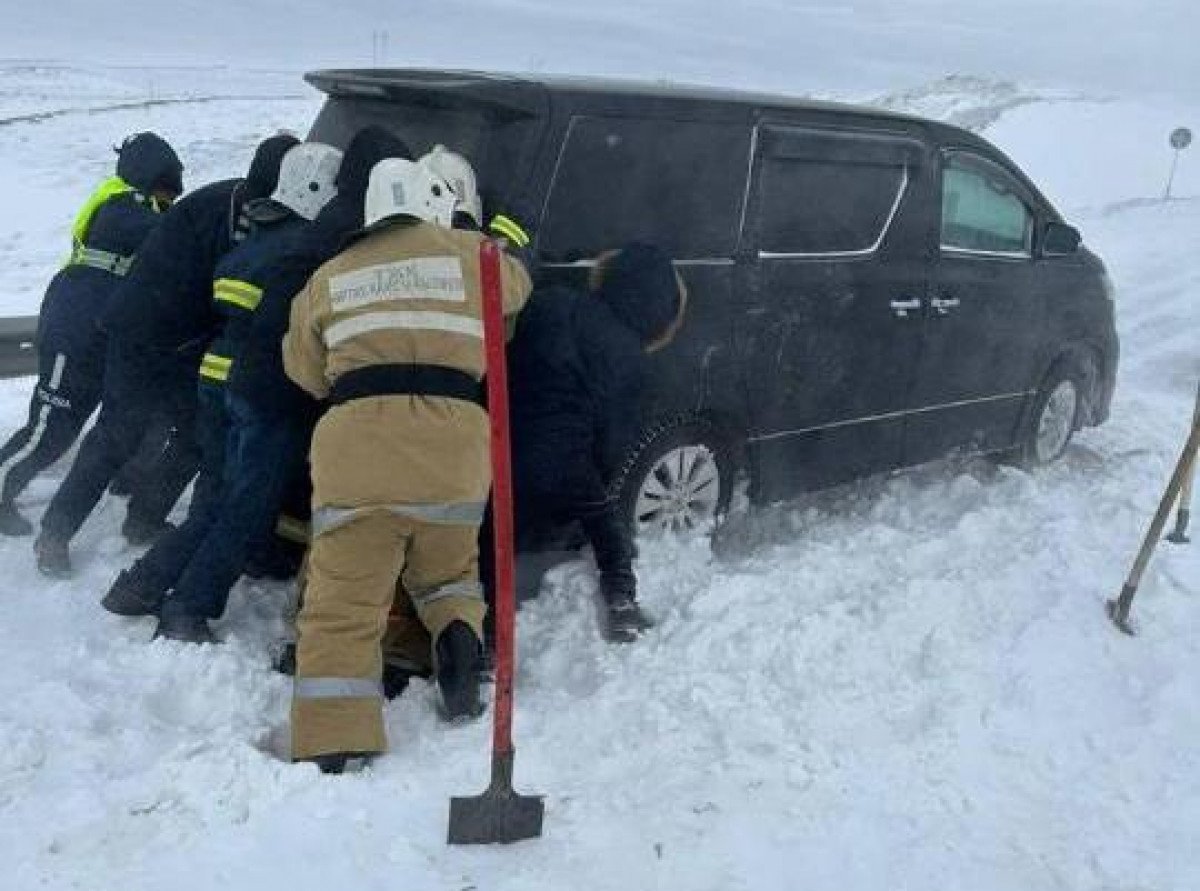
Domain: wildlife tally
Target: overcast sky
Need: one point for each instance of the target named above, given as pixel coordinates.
(798, 46)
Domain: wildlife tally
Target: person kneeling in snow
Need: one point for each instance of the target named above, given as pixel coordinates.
(578, 368)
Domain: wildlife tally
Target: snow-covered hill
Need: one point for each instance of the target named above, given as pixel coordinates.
(905, 683)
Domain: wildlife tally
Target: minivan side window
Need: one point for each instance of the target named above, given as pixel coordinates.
(818, 207)
(678, 184)
(982, 211)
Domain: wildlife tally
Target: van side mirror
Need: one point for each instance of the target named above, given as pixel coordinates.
(1059, 239)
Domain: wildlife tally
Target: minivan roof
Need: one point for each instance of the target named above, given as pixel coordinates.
(530, 95)
(529, 91)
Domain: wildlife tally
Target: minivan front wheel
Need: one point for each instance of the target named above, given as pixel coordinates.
(678, 479)
(1054, 419)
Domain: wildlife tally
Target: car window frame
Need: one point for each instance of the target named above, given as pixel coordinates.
(909, 152)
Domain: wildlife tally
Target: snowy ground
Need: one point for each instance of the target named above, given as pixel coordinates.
(906, 683)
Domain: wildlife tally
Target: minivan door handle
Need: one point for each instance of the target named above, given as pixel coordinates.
(943, 305)
(904, 305)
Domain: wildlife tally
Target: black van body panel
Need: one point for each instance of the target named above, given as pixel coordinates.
(878, 331)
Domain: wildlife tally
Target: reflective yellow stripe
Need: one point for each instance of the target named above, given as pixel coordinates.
(239, 293)
(215, 367)
(510, 229)
(292, 529)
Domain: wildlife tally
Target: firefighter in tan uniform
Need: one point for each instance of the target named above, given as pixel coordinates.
(390, 334)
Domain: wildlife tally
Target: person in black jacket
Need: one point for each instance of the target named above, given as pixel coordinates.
(245, 466)
(577, 372)
(158, 324)
(107, 233)
(270, 419)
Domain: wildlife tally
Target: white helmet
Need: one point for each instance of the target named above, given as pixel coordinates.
(306, 178)
(406, 188)
(457, 170)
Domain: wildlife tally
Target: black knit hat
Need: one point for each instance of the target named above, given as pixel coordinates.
(368, 147)
(263, 175)
(639, 285)
(148, 163)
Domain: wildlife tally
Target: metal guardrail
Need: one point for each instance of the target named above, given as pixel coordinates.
(18, 357)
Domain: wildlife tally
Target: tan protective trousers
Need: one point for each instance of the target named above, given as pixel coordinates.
(337, 703)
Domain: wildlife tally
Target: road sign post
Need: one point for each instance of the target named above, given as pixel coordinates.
(1181, 138)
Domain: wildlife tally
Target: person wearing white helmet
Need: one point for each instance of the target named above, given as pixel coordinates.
(246, 459)
(389, 335)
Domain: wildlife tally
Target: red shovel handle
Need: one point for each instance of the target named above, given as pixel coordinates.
(502, 496)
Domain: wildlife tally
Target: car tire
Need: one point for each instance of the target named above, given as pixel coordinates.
(678, 478)
(1054, 416)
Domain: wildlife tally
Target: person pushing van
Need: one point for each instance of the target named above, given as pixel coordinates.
(389, 333)
(577, 373)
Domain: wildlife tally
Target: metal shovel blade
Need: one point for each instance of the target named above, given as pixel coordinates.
(497, 817)
(1120, 617)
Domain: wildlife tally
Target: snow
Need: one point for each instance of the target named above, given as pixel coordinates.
(908, 682)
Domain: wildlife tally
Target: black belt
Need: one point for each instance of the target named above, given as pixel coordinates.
(414, 380)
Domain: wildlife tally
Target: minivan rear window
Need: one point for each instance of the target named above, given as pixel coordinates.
(494, 142)
(679, 184)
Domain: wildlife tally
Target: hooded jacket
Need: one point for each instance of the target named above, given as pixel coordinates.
(577, 371)
(165, 303)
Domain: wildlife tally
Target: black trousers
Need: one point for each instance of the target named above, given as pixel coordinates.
(552, 521)
(142, 391)
(66, 394)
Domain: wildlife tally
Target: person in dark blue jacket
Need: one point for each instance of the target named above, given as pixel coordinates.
(265, 407)
(159, 322)
(245, 465)
(577, 372)
(107, 233)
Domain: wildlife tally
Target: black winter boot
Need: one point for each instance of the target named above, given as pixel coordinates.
(128, 598)
(285, 664)
(53, 556)
(184, 628)
(143, 532)
(459, 664)
(11, 521)
(624, 621)
(336, 762)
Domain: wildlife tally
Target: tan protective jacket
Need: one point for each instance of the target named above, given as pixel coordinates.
(406, 294)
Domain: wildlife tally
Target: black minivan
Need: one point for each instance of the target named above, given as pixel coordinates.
(867, 290)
